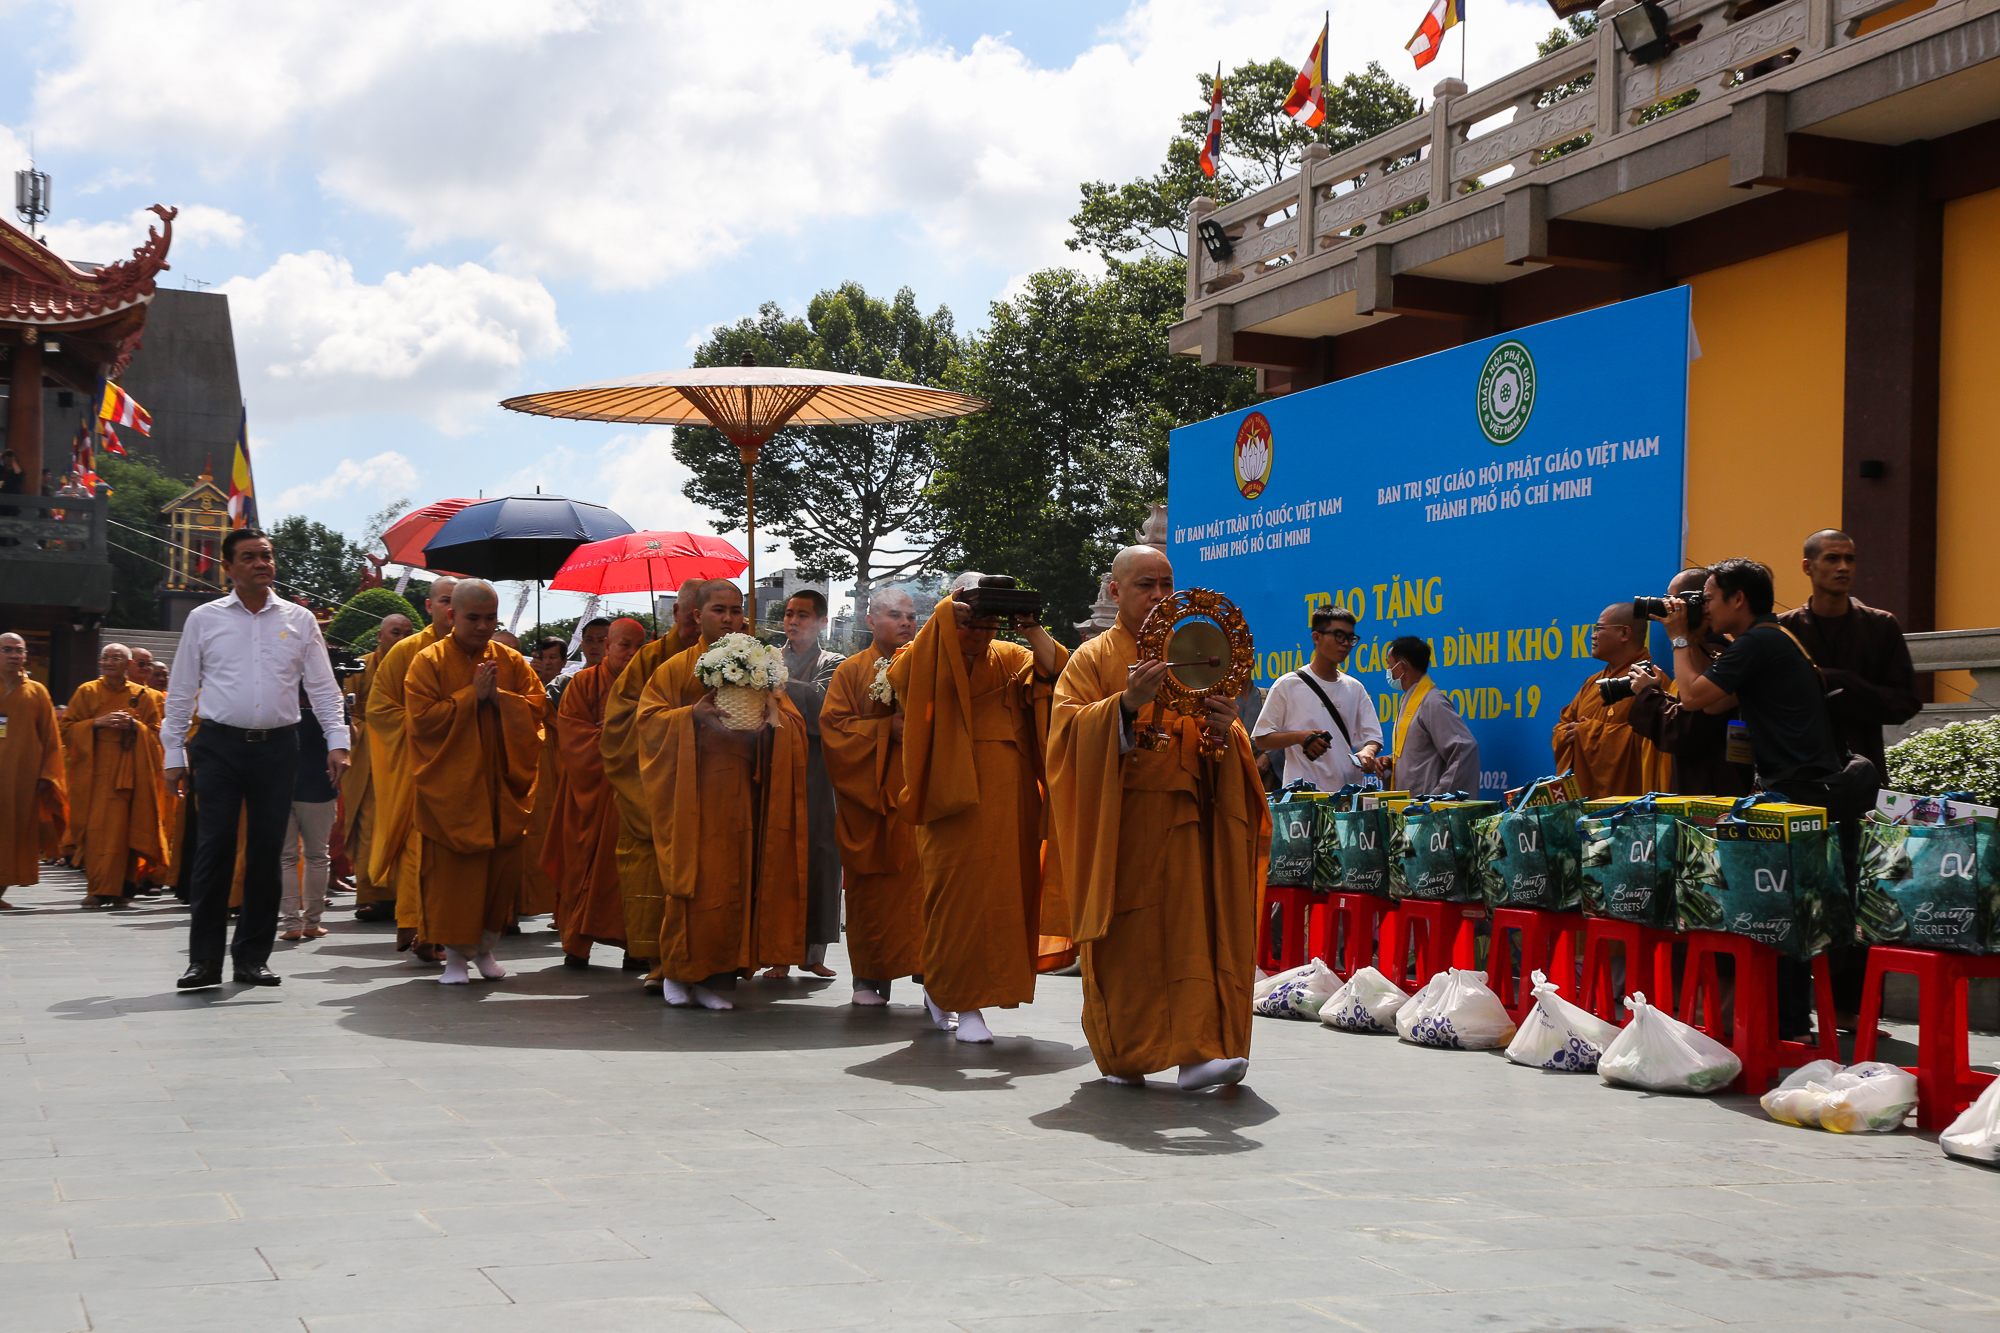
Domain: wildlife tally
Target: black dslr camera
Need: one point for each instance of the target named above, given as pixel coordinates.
(1614, 689)
(1655, 608)
(998, 595)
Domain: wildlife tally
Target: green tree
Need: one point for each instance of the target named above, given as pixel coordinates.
(354, 627)
(846, 498)
(1260, 146)
(1048, 482)
(315, 560)
(1581, 27)
(139, 541)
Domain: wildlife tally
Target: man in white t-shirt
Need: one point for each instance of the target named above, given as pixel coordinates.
(1320, 717)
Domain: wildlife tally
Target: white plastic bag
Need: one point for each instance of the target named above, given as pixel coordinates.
(1456, 1012)
(1659, 1053)
(1297, 993)
(1868, 1098)
(1367, 1003)
(1975, 1135)
(1558, 1035)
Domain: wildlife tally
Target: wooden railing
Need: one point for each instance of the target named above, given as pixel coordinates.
(1461, 145)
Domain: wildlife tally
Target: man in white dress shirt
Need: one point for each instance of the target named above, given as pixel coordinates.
(245, 657)
(1320, 717)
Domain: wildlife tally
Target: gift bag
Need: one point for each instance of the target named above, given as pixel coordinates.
(1558, 1035)
(1294, 818)
(1527, 856)
(1659, 1053)
(1868, 1098)
(1368, 1002)
(1779, 885)
(1920, 886)
(1455, 1012)
(1296, 993)
(1975, 1135)
(1431, 849)
(1352, 850)
(1626, 861)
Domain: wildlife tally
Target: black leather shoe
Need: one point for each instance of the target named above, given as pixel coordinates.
(258, 976)
(571, 960)
(199, 975)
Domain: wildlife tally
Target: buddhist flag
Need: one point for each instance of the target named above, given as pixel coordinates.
(1211, 145)
(83, 464)
(242, 493)
(1430, 34)
(1307, 104)
(108, 437)
(122, 408)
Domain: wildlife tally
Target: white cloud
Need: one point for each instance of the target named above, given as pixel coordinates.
(628, 141)
(438, 342)
(389, 476)
(107, 242)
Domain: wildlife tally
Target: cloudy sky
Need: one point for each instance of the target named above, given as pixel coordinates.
(419, 209)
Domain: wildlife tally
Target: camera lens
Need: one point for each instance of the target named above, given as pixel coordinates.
(1614, 688)
(1649, 608)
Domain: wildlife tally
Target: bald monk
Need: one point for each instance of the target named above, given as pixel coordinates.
(863, 743)
(582, 851)
(33, 811)
(507, 639)
(638, 859)
(474, 721)
(391, 848)
(729, 815)
(372, 901)
(973, 741)
(173, 815)
(1163, 854)
(149, 874)
(1594, 739)
(538, 888)
(116, 769)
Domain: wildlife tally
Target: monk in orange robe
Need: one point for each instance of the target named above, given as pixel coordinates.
(538, 887)
(977, 716)
(638, 857)
(393, 852)
(862, 738)
(582, 852)
(1594, 739)
(475, 740)
(1163, 853)
(729, 820)
(372, 901)
(117, 783)
(33, 811)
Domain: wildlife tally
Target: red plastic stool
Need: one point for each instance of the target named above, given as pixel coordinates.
(1946, 1082)
(1649, 965)
(1295, 908)
(1440, 935)
(1550, 942)
(1754, 1037)
(1344, 930)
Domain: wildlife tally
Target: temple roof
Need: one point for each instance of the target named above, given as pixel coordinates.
(41, 288)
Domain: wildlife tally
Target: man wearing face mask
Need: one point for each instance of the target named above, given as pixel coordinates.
(1434, 748)
(1321, 718)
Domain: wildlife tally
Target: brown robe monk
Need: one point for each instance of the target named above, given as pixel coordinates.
(393, 854)
(1608, 757)
(117, 784)
(358, 791)
(582, 853)
(33, 817)
(729, 814)
(878, 847)
(973, 742)
(638, 857)
(1164, 857)
(538, 886)
(473, 769)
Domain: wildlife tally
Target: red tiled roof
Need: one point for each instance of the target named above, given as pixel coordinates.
(39, 287)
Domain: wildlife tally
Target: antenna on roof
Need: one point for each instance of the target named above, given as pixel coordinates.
(31, 198)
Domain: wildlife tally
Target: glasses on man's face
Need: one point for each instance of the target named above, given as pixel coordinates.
(1600, 627)
(1338, 635)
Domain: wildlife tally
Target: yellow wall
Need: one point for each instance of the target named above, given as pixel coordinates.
(1764, 408)
(1968, 438)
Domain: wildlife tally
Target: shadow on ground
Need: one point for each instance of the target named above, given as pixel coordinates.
(1163, 1120)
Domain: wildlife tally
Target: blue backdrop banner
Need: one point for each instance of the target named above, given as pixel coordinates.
(1492, 499)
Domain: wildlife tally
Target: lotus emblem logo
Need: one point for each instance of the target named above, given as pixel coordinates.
(1506, 394)
(1253, 455)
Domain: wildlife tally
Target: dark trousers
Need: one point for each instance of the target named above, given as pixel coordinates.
(234, 777)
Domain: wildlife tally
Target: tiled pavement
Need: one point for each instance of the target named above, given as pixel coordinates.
(363, 1151)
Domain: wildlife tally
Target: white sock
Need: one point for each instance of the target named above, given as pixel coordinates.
(489, 966)
(946, 1022)
(1212, 1073)
(675, 993)
(1125, 1082)
(708, 999)
(454, 968)
(972, 1028)
(866, 994)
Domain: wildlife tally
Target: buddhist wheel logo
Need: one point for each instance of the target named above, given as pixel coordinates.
(1253, 455)
(1506, 395)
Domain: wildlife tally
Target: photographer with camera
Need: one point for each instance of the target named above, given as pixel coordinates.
(1301, 705)
(1710, 751)
(1594, 737)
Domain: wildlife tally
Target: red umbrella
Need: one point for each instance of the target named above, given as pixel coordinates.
(408, 535)
(645, 561)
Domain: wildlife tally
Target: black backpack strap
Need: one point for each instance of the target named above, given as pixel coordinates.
(1331, 710)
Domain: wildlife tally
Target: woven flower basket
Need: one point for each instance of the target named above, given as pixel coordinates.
(742, 708)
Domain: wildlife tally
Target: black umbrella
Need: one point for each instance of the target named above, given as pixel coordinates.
(519, 537)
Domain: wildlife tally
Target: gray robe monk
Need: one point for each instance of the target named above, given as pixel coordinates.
(1438, 754)
(810, 676)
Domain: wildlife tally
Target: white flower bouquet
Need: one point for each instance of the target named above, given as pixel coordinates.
(879, 689)
(743, 673)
